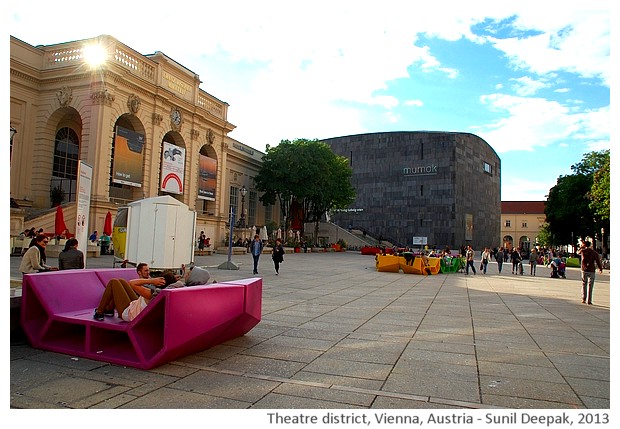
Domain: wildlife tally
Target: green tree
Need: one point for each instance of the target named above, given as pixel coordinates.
(599, 194)
(545, 237)
(307, 174)
(576, 206)
(568, 209)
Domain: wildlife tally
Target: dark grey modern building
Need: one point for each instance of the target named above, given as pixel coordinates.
(415, 188)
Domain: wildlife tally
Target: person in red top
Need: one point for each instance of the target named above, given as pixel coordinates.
(589, 261)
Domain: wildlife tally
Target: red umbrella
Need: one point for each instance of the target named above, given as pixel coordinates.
(59, 224)
(107, 226)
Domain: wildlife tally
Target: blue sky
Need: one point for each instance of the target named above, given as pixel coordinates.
(532, 78)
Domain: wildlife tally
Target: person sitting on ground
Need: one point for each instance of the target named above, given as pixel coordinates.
(555, 264)
(71, 258)
(35, 260)
(129, 298)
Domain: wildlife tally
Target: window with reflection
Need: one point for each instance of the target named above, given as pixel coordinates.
(65, 164)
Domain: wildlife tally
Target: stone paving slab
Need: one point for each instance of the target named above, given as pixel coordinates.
(336, 334)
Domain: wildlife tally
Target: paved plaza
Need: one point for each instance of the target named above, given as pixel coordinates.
(337, 334)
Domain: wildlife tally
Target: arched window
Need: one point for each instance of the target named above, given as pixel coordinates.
(65, 167)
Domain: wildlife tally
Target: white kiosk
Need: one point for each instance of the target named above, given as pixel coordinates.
(160, 232)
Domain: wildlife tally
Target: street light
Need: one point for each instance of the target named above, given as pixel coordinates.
(243, 192)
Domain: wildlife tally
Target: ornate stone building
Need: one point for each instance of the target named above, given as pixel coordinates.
(141, 122)
(423, 188)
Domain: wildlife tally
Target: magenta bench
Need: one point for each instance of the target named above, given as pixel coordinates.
(57, 315)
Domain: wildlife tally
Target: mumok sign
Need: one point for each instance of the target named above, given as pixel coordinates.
(424, 170)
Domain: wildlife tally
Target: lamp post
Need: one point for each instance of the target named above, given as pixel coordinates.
(243, 192)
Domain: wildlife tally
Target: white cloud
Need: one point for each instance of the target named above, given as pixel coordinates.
(415, 103)
(307, 71)
(573, 40)
(519, 188)
(528, 123)
(525, 86)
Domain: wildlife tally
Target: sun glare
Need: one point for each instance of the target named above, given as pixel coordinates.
(95, 55)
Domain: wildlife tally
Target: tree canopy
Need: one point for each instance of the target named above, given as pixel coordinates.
(305, 177)
(578, 205)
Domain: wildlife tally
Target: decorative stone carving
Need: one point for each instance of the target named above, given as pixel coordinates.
(102, 97)
(176, 119)
(210, 137)
(133, 103)
(194, 134)
(64, 95)
(157, 118)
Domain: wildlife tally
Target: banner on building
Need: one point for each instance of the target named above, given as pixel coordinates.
(207, 178)
(127, 166)
(172, 168)
(469, 227)
(84, 186)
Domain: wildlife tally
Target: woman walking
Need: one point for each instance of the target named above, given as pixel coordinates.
(277, 255)
(486, 257)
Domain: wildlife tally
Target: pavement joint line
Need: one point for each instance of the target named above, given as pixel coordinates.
(545, 353)
(327, 386)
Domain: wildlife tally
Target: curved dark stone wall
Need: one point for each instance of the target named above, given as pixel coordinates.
(440, 185)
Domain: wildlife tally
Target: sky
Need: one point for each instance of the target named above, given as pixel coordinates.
(532, 78)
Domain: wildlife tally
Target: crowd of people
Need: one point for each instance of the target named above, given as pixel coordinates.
(34, 257)
(34, 260)
(550, 258)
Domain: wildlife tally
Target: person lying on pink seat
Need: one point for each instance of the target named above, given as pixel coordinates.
(193, 276)
(129, 298)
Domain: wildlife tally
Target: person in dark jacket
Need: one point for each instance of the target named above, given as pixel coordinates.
(256, 248)
(71, 258)
(277, 255)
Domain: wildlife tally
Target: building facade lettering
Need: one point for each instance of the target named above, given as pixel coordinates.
(176, 84)
(243, 148)
(421, 170)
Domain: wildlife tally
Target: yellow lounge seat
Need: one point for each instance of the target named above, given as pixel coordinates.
(387, 263)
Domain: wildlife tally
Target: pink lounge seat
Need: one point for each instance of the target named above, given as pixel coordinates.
(57, 315)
